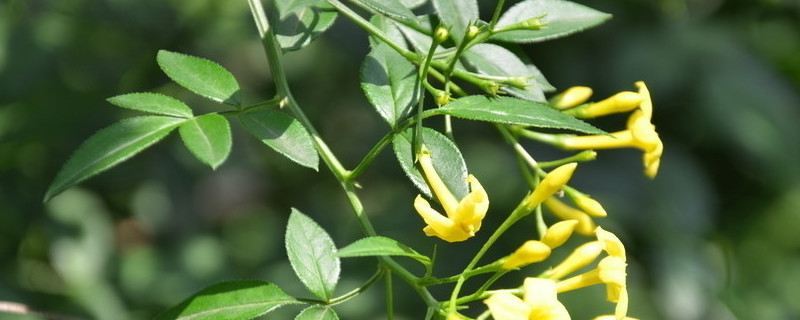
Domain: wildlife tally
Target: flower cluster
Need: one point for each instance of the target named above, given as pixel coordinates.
(537, 298)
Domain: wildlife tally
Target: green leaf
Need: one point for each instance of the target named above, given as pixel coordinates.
(380, 246)
(155, 103)
(208, 137)
(297, 24)
(389, 28)
(317, 313)
(495, 60)
(457, 15)
(312, 255)
(390, 8)
(283, 134)
(512, 111)
(562, 17)
(447, 160)
(201, 76)
(230, 300)
(109, 147)
(389, 82)
(411, 4)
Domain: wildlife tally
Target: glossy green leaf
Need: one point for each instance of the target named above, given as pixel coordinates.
(297, 23)
(389, 82)
(411, 4)
(317, 313)
(312, 255)
(495, 60)
(232, 300)
(208, 137)
(457, 15)
(283, 134)
(447, 160)
(512, 111)
(109, 147)
(391, 8)
(201, 76)
(389, 28)
(155, 103)
(380, 246)
(562, 17)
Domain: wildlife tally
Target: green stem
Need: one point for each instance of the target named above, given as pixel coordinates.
(378, 274)
(498, 8)
(389, 296)
(372, 30)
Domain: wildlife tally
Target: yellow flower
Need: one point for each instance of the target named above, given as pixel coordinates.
(611, 271)
(530, 252)
(640, 133)
(539, 302)
(586, 203)
(463, 217)
(585, 225)
(553, 182)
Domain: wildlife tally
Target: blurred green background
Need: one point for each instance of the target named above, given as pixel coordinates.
(712, 237)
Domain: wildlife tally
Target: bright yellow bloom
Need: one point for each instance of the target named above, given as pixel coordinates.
(554, 181)
(621, 102)
(539, 302)
(559, 233)
(580, 257)
(611, 271)
(585, 225)
(463, 217)
(530, 252)
(640, 133)
(571, 97)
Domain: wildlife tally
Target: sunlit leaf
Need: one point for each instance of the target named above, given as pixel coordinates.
(562, 18)
(380, 246)
(312, 255)
(512, 111)
(317, 313)
(297, 23)
(446, 157)
(204, 77)
(208, 137)
(389, 28)
(231, 300)
(283, 134)
(389, 82)
(155, 103)
(109, 147)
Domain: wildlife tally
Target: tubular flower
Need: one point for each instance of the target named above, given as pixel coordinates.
(553, 182)
(463, 217)
(611, 271)
(585, 225)
(539, 302)
(530, 252)
(640, 133)
(586, 203)
(621, 102)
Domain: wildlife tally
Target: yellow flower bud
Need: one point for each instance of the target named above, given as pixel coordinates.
(530, 252)
(441, 34)
(580, 257)
(586, 203)
(585, 225)
(553, 182)
(571, 97)
(472, 31)
(559, 233)
(621, 102)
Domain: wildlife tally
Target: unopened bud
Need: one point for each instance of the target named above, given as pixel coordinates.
(441, 34)
(472, 31)
(551, 184)
(571, 97)
(530, 252)
(559, 233)
(591, 206)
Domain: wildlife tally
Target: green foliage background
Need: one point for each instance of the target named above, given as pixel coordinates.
(713, 237)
